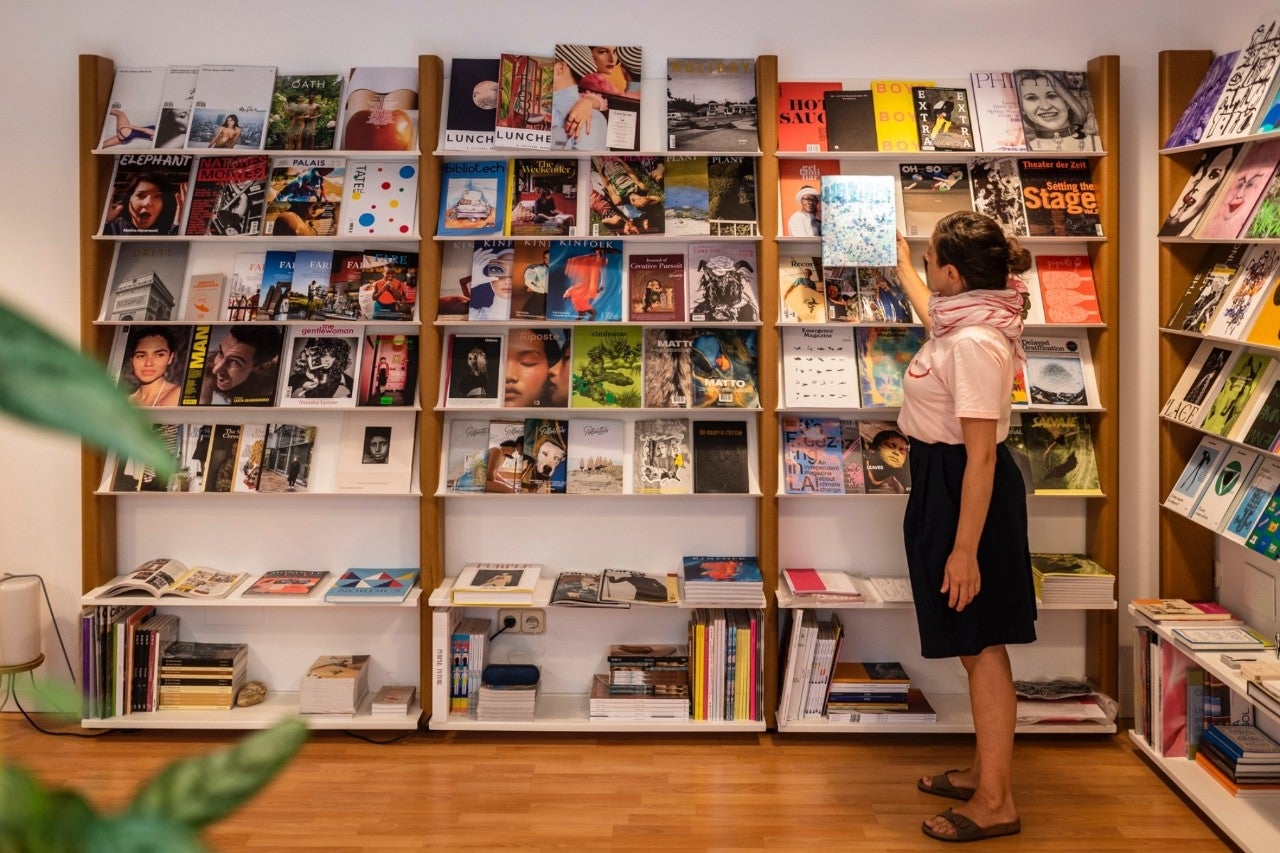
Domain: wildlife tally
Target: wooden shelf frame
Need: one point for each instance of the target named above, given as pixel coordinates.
(99, 511)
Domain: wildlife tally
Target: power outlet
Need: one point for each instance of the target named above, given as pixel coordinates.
(527, 620)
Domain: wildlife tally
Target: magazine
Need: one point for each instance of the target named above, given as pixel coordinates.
(166, 576)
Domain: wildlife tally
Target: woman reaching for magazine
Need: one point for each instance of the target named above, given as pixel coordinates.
(965, 525)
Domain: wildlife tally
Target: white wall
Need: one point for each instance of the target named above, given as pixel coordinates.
(39, 516)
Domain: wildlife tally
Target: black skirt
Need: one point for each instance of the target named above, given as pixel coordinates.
(1004, 610)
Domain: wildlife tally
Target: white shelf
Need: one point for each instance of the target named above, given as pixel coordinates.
(275, 707)
(573, 154)
(787, 601)
(1208, 660)
(1252, 821)
(250, 152)
(954, 717)
(319, 240)
(257, 496)
(568, 713)
(237, 598)
(628, 238)
(440, 597)
(937, 156)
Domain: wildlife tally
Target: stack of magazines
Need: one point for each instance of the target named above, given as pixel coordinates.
(1072, 579)
(335, 685)
(507, 699)
(723, 582)
(644, 682)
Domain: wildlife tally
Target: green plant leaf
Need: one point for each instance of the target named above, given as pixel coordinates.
(198, 791)
(46, 382)
(135, 833)
(34, 819)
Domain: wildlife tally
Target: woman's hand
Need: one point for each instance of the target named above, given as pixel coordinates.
(579, 117)
(961, 580)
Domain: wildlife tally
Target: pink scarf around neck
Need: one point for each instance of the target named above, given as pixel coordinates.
(1003, 310)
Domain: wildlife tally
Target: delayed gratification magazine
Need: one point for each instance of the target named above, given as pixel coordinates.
(166, 576)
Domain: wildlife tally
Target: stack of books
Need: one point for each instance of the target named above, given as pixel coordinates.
(722, 581)
(1262, 683)
(867, 687)
(201, 676)
(392, 700)
(1242, 758)
(607, 704)
(1072, 579)
(335, 685)
(918, 711)
(507, 703)
(644, 682)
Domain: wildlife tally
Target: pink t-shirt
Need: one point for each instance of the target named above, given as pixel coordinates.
(966, 374)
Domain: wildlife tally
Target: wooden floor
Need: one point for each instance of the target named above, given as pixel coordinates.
(736, 792)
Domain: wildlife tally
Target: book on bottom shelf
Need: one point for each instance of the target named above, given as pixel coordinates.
(467, 645)
(392, 700)
(516, 703)
(334, 685)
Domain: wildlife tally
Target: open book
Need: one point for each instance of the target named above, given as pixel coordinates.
(166, 576)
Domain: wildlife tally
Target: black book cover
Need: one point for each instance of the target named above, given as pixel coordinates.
(851, 120)
(720, 457)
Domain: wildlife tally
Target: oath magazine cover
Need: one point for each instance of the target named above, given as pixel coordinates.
(304, 112)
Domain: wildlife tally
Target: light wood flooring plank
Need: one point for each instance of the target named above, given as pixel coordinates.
(721, 792)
